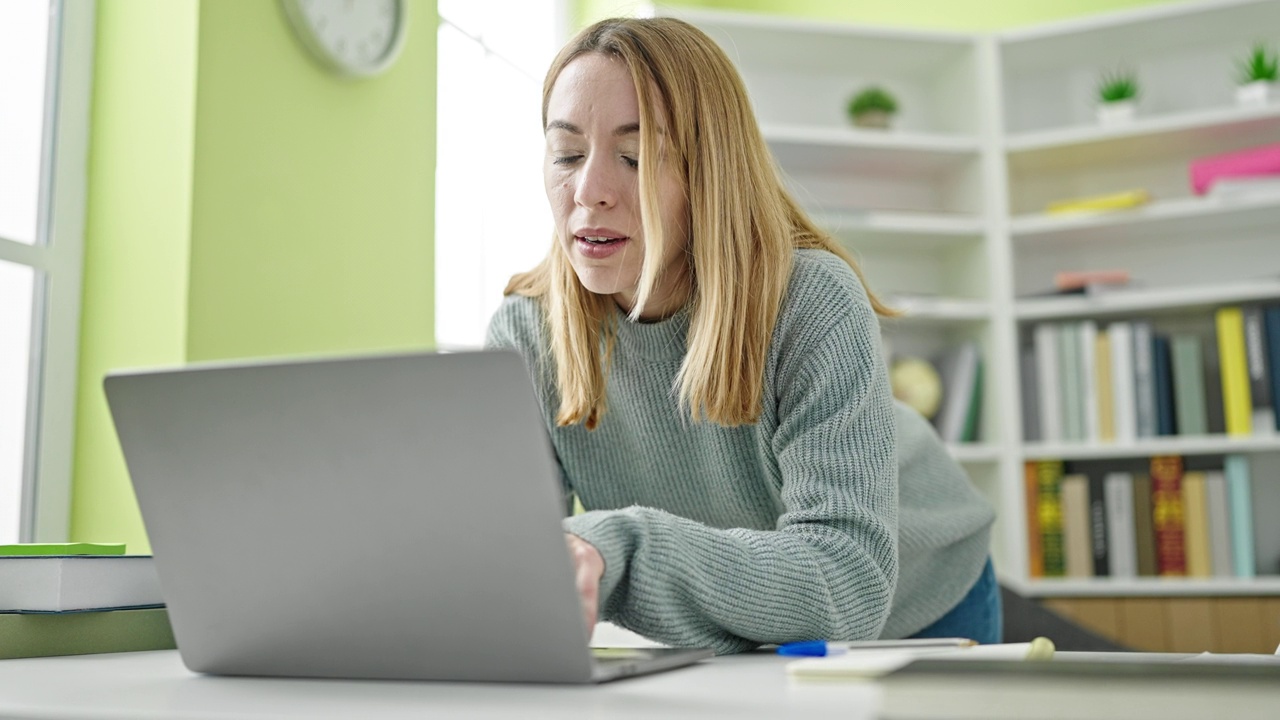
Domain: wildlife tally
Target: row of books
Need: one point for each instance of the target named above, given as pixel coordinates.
(1086, 383)
(1116, 520)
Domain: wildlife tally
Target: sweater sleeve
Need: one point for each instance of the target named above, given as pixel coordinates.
(829, 568)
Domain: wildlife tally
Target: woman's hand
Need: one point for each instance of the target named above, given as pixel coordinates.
(588, 568)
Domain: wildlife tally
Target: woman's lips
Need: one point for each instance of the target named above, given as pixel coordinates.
(599, 246)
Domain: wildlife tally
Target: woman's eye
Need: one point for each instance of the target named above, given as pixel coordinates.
(631, 162)
(566, 159)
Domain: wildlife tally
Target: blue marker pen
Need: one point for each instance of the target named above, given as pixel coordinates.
(822, 648)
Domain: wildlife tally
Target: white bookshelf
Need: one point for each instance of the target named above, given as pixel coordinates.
(946, 212)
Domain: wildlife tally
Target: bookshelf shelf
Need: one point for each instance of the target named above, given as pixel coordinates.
(1206, 445)
(943, 211)
(1139, 587)
(1085, 145)
(1184, 215)
(1124, 302)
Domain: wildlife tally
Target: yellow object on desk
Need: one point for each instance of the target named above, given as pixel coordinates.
(874, 663)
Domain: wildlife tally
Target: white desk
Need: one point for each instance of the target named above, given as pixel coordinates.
(148, 685)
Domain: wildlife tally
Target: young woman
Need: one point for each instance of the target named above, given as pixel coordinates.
(709, 365)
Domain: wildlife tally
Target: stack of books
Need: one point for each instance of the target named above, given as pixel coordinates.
(78, 598)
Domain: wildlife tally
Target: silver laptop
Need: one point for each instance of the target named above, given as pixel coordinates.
(391, 517)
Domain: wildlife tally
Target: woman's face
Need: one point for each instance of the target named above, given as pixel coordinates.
(592, 179)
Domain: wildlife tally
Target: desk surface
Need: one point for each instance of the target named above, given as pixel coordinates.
(148, 685)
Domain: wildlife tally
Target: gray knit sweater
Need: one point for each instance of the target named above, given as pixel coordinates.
(838, 515)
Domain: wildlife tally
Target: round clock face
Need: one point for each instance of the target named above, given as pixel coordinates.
(353, 37)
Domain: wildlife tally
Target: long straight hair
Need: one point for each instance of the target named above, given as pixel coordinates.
(743, 229)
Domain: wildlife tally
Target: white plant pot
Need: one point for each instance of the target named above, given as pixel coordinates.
(1255, 94)
(1116, 113)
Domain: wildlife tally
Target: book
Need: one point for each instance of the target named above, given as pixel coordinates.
(1045, 339)
(1215, 414)
(1070, 376)
(1106, 412)
(1266, 509)
(1089, 423)
(1195, 515)
(1122, 548)
(1166, 423)
(1167, 515)
(1072, 280)
(1271, 318)
(1122, 381)
(1246, 189)
(973, 416)
(1219, 516)
(958, 369)
(1237, 406)
(1121, 686)
(1240, 497)
(1076, 535)
(1255, 346)
(1144, 380)
(1035, 553)
(1257, 161)
(1030, 394)
(1188, 381)
(1122, 200)
(1049, 516)
(1144, 531)
(1098, 525)
(78, 633)
(56, 583)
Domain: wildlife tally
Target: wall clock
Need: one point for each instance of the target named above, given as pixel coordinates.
(357, 38)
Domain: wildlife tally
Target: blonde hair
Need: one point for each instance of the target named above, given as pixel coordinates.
(742, 224)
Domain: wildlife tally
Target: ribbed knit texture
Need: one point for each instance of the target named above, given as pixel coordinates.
(792, 528)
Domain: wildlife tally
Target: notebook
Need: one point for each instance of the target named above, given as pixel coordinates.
(392, 517)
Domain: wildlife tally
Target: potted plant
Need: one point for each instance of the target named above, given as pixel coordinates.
(1117, 96)
(1256, 76)
(872, 107)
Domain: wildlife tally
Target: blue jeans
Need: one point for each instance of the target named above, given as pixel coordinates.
(976, 617)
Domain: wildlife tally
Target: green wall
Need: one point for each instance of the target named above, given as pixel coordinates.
(243, 202)
(970, 15)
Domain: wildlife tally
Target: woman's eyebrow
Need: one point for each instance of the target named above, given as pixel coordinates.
(627, 129)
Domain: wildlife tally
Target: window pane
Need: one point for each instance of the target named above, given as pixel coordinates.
(24, 37)
(17, 283)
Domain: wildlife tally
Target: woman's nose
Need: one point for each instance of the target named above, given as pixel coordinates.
(596, 184)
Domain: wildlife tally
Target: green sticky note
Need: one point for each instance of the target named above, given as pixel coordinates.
(80, 548)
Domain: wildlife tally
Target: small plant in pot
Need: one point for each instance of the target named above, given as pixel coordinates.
(1117, 97)
(1256, 76)
(872, 107)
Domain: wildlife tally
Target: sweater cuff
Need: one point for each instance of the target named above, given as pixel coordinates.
(608, 532)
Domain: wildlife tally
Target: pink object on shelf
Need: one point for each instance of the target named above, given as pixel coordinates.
(1257, 161)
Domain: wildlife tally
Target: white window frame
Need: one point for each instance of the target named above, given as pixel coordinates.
(57, 257)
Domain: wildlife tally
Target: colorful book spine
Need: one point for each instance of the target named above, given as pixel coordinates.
(1166, 424)
(1237, 406)
(1271, 316)
(1240, 495)
(1188, 380)
(1195, 517)
(1122, 382)
(1255, 347)
(1050, 390)
(1106, 412)
(1099, 544)
(1049, 512)
(1030, 395)
(1076, 537)
(1215, 414)
(1167, 515)
(1121, 539)
(1144, 380)
(1069, 369)
(1218, 507)
(1030, 488)
(1144, 532)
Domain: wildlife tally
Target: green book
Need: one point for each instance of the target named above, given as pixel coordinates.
(1069, 374)
(1188, 386)
(76, 548)
(80, 633)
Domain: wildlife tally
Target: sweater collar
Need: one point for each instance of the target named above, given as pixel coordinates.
(661, 340)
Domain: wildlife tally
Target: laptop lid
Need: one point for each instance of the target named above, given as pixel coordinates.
(377, 517)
